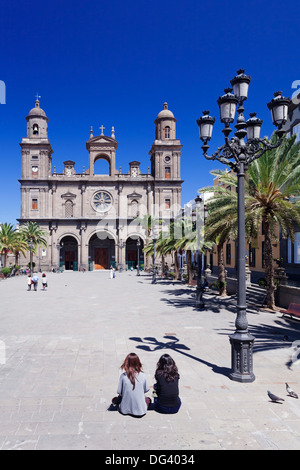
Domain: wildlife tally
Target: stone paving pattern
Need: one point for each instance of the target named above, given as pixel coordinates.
(64, 348)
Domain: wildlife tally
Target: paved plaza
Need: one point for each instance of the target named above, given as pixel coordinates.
(61, 352)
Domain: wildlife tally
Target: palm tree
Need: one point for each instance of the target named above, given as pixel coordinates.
(7, 238)
(32, 232)
(20, 245)
(149, 223)
(221, 223)
(271, 186)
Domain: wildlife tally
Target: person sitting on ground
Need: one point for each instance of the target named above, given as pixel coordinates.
(166, 388)
(132, 388)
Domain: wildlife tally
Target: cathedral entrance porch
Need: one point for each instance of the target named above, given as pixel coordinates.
(101, 251)
(69, 254)
(132, 252)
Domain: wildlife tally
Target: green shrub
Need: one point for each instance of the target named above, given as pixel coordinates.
(6, 271)
(262, 282)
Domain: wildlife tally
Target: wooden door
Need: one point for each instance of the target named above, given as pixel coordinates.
(69, 259)
(101, 258)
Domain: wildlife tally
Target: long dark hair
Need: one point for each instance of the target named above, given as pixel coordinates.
(132, 366)
(166, 367)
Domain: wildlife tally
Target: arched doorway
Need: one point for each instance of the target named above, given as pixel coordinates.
(101, 251)
(69, 253)
(132, 252)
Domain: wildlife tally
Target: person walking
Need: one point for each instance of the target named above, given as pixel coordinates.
(132, 387)
(29, 282)
(166, 389)
(44, 281)
(35, 280)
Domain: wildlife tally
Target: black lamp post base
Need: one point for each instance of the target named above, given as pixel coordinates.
(242, 357)
(199, 304)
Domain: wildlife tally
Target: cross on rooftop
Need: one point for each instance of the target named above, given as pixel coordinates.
(37, 97)
(102, 129)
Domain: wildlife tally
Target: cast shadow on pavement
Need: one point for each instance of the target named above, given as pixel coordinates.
(151, 344)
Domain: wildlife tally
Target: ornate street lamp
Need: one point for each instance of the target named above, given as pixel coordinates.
(154, 239)
(30, 247)
(138, 244)
(59, 246)
(121, 245)
(238, 155)
(199, 291)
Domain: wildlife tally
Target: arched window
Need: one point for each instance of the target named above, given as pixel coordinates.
(68, 209)
(101, 166)
(134, 208)
(35, 129)
(167, 172)
(167, 132)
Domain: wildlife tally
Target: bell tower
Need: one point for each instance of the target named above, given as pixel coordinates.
(166, 149)
(36, 148)
(36, 165)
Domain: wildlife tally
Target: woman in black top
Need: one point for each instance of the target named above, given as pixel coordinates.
(166, 387)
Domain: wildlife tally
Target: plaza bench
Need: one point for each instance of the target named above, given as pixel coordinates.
(293, 310)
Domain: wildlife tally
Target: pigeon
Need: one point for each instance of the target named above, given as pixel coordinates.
(290, 391)
(274, 398)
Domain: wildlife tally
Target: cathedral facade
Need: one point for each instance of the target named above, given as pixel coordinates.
(89, 217)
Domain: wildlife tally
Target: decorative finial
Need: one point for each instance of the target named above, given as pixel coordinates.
(91, 132)
(112, 132)
(165, 105)
(102, 129)
(37, 102)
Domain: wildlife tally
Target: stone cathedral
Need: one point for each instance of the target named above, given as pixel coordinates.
(90, 218)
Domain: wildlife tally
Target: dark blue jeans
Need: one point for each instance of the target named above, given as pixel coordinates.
(165, 409)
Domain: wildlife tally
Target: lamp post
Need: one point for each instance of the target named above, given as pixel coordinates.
(138, 244)
(121, 245)
(30, 247)
(59, 247)
(238, 155)
(199, 291)
(154, 239)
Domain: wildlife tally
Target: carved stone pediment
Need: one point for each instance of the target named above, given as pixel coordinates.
(68, 195)
(101, 142)
(134, 195)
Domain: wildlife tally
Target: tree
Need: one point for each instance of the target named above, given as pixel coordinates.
(271, 191)
(221, 226)
(7, 238)
(31, 231)
(20, 245)
(149, 223)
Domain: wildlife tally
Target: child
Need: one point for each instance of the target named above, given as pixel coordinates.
(29, 282)
(44, 281)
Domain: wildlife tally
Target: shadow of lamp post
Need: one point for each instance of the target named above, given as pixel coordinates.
(238, 155)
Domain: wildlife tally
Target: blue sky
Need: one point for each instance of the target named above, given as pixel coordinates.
(115, 63)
